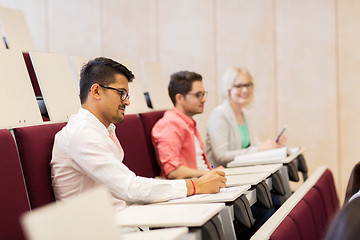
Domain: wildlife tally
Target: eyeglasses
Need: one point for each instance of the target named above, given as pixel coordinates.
(246, 85)
(199, 95)
(122, 92)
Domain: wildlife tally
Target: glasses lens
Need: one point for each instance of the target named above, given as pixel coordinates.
(246, 85)
(201, 94)
(124, 95)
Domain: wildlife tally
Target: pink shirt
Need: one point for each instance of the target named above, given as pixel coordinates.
(173, 139)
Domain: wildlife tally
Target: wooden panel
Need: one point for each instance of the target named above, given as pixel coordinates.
(129, 29)
(156, 84)
(15, 29)
(349, 85)
(306, 72)
(57, 85)
(76, 63)
(74, 27)
(187, 42)
(17, 102)
(136, 89)
(35, 15)
(244, 36)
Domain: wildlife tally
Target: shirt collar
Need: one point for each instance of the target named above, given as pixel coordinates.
(188, 120)
(94, 120)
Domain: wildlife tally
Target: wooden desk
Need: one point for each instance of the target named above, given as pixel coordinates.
(159, 234)
(57, 85)
(170, 215)
(225, 195)
(252, 169)
(17, 102)
(265, 161)
(246, 179)
(16, 30)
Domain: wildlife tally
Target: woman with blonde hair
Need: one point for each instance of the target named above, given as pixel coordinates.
(228, 131)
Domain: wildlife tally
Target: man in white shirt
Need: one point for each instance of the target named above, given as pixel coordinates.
(87, 153)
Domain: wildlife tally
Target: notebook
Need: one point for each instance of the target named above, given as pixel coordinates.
(263, 157)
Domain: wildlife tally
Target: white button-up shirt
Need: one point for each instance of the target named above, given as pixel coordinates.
(85, 156)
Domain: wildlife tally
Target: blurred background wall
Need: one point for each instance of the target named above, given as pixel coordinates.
(304, 56)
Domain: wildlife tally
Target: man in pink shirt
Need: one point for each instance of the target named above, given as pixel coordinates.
(178, 146)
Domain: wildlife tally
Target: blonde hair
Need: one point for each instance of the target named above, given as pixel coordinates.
(229, 77)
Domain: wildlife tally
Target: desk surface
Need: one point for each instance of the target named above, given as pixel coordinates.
(274, 160)
(170, 215)
(229, 194)
(159, 234)
(246, 179)
(252, 169)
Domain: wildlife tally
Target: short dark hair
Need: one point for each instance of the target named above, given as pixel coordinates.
(100, 70)
(181, 82)
(353, 185)
(345, 225)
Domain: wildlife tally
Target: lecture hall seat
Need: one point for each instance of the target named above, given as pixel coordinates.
(14, 200)
(313, 200)
(35, 145)
(130, 133)
(325, 185)
(286, 230)
(148, 120)
(301, 215)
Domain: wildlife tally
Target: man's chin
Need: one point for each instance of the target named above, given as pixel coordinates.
(119, 119)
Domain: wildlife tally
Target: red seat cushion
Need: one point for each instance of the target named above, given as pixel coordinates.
(323, 185)
(35, 148)
(148, 120)
(335, 200)
(14, 200)
(303, 219)
(132, 139)
(286, 230)
(314, 202)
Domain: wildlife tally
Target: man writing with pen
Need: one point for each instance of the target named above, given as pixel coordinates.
(179, 149)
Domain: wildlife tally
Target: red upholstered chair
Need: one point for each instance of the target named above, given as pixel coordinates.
(314, 202)
(148, 120)
(131, 135)
(13, 197)
(331, 183)
(286, 230)
(35, 147)
(326, 186)
(302, 217)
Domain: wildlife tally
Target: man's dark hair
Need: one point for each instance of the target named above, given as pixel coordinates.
(100, 70)
(181, 82)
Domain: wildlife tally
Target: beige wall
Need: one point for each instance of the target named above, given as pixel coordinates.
(304, 56)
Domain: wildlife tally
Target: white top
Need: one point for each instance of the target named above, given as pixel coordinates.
(84, 156)
(356, 195)
(200, 161)
(223, 141)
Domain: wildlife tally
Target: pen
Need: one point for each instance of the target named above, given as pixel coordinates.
(281, 133)
(212, 167)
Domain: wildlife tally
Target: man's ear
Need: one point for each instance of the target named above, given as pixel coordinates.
(179, 98)
(96, 91)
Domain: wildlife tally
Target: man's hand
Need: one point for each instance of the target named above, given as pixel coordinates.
(211, 182)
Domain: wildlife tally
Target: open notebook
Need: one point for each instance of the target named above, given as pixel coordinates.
(263, 157)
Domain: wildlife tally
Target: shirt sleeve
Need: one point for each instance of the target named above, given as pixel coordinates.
(91, 151)
(167, 140)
